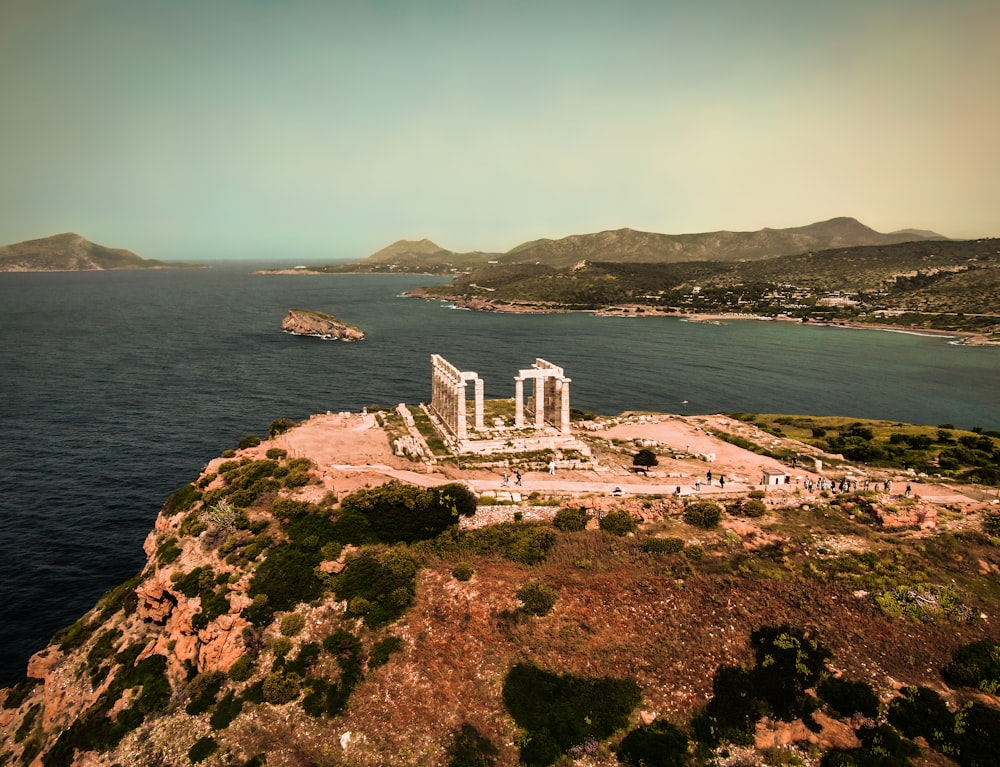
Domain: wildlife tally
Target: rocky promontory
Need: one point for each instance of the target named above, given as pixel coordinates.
(302, 322)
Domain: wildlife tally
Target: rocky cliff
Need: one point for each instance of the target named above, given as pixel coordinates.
(309, 323)
(305, 610)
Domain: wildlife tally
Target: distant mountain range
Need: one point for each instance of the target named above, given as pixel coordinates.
(630, 245)
(70, 252)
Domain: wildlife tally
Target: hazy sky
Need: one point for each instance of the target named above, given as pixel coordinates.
(314, 129)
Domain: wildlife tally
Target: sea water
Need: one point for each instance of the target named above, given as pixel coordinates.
(117, 387)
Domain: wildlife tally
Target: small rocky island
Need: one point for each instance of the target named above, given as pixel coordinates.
(302, 322)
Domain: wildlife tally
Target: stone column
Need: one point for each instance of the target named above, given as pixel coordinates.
(480, 408)
(564, 402)
(518, 402)
(461, 429)
(539, 403)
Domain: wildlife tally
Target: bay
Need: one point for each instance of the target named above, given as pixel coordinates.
(117, 387)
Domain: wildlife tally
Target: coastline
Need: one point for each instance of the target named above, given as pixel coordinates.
(961, 338)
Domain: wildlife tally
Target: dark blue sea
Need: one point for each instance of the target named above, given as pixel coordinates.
(117, 387)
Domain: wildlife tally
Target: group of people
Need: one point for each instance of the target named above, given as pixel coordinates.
(506, 479)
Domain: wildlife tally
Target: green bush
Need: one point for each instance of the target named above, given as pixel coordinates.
(469, 748)
(180, 500)
(202, 749)
(292, 624)
(703, 514)
(280, 688)
(847, 698)
(660, 744)
(276, 453)
(385, 582)
(228, 709)
(397, 512)
(733, 711)
(880, 747)
(991, 524)
(975, 665)
(242, 669)
(618, 522)
(279, 426)
(462, 571)
(921, 712)
(383, 650)
(977, 733)
(662, 545)
(645, 459)
(559, 711)
(202, 691)
(789, 661)
(286, 578)
(571, 520)
(250, 440)
(753, 508)
(536, 598)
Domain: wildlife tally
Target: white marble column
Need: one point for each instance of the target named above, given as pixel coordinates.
(539, 403)
(519, 402)
(480, 407)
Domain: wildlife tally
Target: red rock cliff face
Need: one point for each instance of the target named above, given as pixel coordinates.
(318, 324)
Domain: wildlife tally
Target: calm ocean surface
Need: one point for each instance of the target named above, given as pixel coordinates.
(117, 387)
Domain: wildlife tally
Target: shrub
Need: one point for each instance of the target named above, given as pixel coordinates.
(202, 749)
(975, 665)
(921, 712)
(471, 749)
(703, 514)
(618, 522)
(242, 669)
(753, 508)
(281, 688)
(292, 624)
(378, 587)
(733, 711)
(383, 649)
(977, 733)
(645, 459)
(202, 691)
(181, 500)
(991, 524)
(848, 698)
(559, 711)
(250, 440)
(880, 747)
(789, 661)
(276, 453)
(660, 744)
(397, 512)
(571, 520)
(663, 545)
(279, 426)
(281, 646)
(286, 577)
(228, 709)
(536, 598)
(462, 571)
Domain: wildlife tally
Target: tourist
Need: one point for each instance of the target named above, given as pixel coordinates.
(697, 484)
(708, 477)
(506, 478)
(722, 481)
(552, 467)
(517, 478)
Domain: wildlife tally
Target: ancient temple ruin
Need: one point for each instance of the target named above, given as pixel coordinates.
(541, 420)
(551, 395)
(449, 396)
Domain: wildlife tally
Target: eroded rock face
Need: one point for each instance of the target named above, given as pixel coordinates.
(321, 325)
